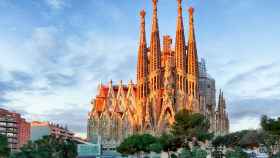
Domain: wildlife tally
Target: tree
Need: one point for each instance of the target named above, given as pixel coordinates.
(271, 125)
(185, 153)
(48, 146)
(199, 153)
(195, 153)
(173, 155)
(245, 139)
(138, 143)
(156, 147)
(146, 140)
(4, 147)
(237, 153)
(270, 142)
(129, 146)
(251, 139)
(169, 143)
(189, 126)
(271, 128)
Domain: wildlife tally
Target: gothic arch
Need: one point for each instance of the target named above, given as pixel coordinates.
(166, 118)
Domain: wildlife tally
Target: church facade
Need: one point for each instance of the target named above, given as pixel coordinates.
(169, 79)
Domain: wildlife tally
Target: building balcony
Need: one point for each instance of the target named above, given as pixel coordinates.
(12, 120)
(8, 125)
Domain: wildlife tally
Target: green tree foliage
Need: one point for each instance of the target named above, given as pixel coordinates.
(251, 139)
(245, 139)
(271, 125)
(189, 125)
(156, 147)
(4, 148)
(195, 153)
(48, 146)
(173, 155)
(270, 142)
(169, 143)
(129, 146)
(237, 153)
(199, 153)
(185, 153)
(138, 143)
(271, 137)
(146, 141)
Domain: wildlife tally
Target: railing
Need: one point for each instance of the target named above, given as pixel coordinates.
(8, 120)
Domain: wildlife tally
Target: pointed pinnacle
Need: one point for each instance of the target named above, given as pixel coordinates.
(179, 2)
(142, 13)
(155, 3)
(179, 7)
(191, 10)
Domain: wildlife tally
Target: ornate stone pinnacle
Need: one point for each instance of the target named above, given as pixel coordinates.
(191, 10)
(179, 7)
(155, 3)
(142, 14)
(179, 2)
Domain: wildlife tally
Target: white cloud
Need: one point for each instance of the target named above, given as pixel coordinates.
(245, 123)
(64, 70)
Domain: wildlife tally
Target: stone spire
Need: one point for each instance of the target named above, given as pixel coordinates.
(221, 103)
(155, 52)
(192, 61)
(221, 115)
(180, 51)
(180, 40)
(142, 65)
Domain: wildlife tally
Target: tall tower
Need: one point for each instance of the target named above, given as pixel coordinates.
(155, 74)
(155, 53)
(180, 51)
(180, 61)
(222, 124)
(192, 64)
(142, 65)
(142, 70)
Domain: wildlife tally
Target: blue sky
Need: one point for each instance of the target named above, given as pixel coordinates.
(55, 52)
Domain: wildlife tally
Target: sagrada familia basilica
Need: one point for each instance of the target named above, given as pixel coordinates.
(168, 80)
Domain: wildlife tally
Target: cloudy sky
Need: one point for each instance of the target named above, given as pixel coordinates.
(55, 52)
